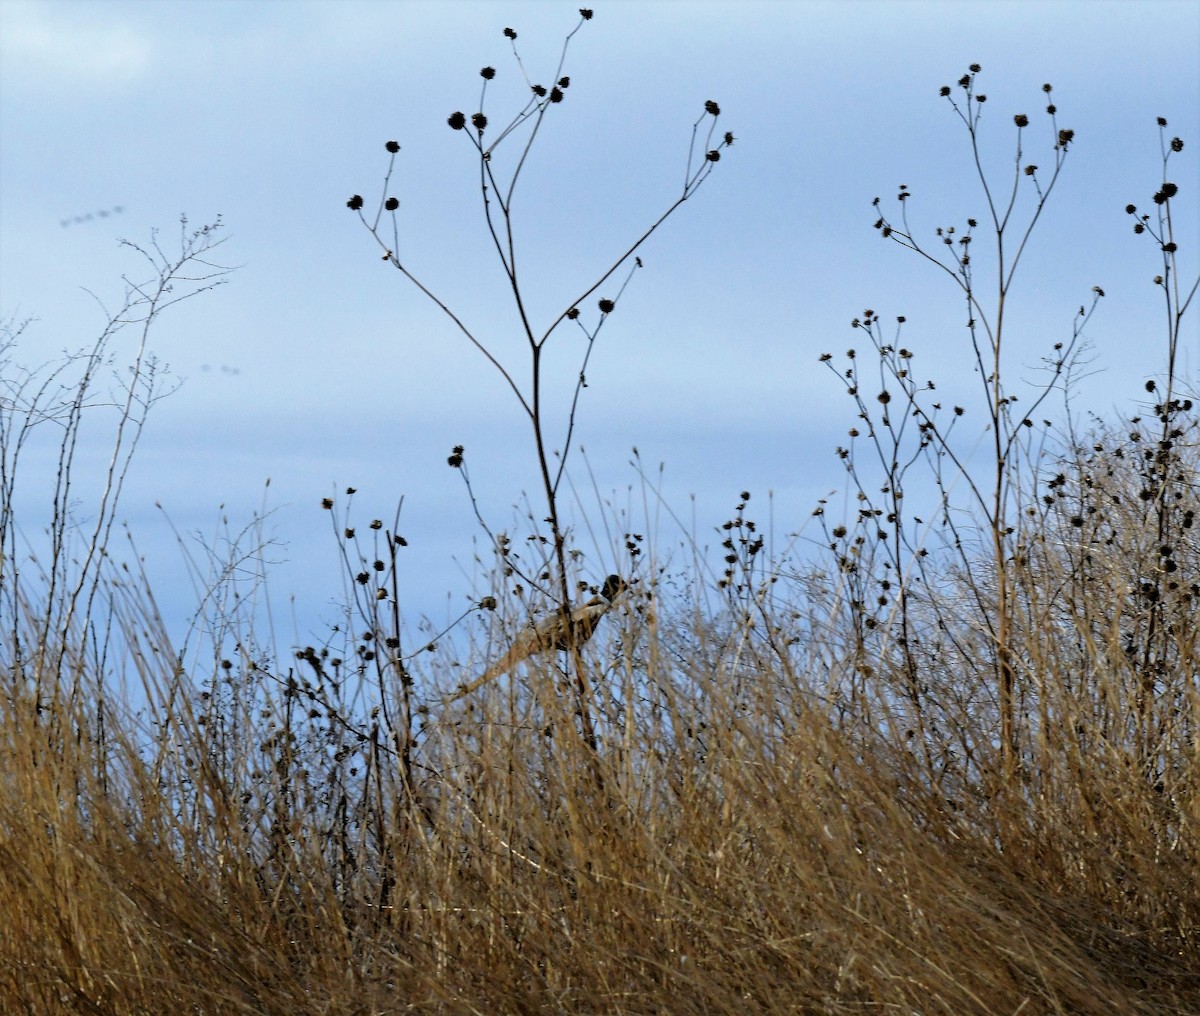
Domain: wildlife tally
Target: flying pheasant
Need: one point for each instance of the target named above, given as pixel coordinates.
(564, 629)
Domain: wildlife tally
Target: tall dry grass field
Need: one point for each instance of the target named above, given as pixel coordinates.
(781, 848)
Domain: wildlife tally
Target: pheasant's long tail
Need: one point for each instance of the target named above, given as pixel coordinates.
(502, 666)
(556, 632)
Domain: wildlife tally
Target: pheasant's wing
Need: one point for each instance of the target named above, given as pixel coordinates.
(585, 619)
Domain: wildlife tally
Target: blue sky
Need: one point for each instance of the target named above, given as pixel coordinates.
(318, 367)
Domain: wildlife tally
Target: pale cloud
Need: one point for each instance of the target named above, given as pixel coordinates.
(69, 45)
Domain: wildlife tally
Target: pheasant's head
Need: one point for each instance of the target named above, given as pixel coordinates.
(613, 587)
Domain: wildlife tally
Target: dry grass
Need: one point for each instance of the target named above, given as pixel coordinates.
(748, 839)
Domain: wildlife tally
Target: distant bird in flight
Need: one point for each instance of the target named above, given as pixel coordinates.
(104, 213)
(563, 630)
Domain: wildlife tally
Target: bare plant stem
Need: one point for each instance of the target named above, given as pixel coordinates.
(987, 331)
(497, 195)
